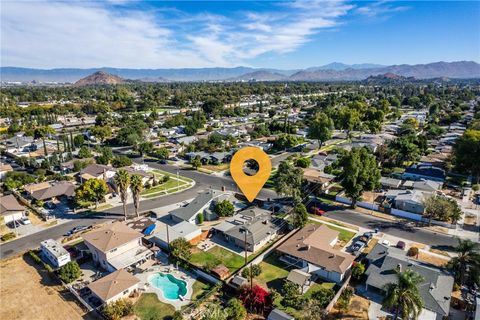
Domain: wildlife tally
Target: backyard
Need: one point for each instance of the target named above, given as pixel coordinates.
(215, 256)
(148, 307)
(273, 272)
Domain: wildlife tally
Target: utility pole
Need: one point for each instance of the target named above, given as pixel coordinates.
(246, 258)
(168, 241)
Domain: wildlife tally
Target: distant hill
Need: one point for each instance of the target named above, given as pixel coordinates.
(331, 72)
(99, 78)
(262, 75)
(388, 78)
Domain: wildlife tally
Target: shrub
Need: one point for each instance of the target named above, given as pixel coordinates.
(224, 208)
(118, 309)
(256, 271)
(323, 296)
(8, 236)
(303, 162)
(412, 252)
(236, 310)
(165, 178)
(34, 257)
(200, 218)
(70, 272)
(358, 270)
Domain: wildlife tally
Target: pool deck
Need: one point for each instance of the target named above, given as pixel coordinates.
(179, 274)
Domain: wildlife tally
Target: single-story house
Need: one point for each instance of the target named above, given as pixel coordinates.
(116, 285)
(183, 229)
(408, 200)
(97, 171)
(425, 172)
(260, 225)
(317, 177)
(311, 250)
(321, 161)
(390, 183)
(50, 190)
(427, 185)
(435, 290)
(54, 252)
(11, 209)
(116, 246)
(277, 314)
(203, 203)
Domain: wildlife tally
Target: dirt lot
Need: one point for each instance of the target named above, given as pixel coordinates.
(357, 309)
(27, 294)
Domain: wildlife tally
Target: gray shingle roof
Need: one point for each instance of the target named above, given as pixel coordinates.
(187, 212)
(435, 290)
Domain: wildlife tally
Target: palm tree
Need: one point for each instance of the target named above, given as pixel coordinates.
(136, 185)
(468, 259)
(404, 295)
(122, 180)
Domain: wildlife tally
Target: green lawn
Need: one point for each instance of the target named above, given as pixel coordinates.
(199, 287)
(172, 183)
(273, 272)
(317, 286)
(216, 256)
(148, 307)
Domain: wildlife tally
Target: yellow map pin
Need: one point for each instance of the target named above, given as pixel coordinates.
(250, 185)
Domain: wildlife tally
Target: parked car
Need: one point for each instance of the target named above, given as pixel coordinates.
(401, 245)
(386, 243)
(317, 211)
(358, 246)
(368, 235)
(162, 161)
(25, 221)
(174, 159)
(76, 230)
(50, 205)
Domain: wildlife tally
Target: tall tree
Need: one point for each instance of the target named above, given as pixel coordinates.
(403, 296)
(467, 261)
(288, 180)
(42, 133)
(93, 190)
(321, 128)
(136, 185)
(122, 180)
(360, 173)
(467, 152)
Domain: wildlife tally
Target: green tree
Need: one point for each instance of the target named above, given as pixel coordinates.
(224, 208)
(101, 132)
(440, 208)
(236, 310)
(466, 153)
(360, 173)
(196, 162)
(348, 119)
(321, 128)
(323, 296)
(84, 152)
(212, 106)
(69, 272)
(118, 309)
(121, 161)
(291, 295)
(91, 191)
(145, 148)
(122, 182)
(288, 180)
(106, 156)
(358, 270)
(181, 249)
(467, 260)
(403, 295)
(136, 185)
(161, 153)
(299, 216)
(43, 133)
(78, 140)
(200, 218)
(303, 162)
(255, 269)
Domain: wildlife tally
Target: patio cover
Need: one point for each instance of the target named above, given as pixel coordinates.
(130, 257)
(147, 264)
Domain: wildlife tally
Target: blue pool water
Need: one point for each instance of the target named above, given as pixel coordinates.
(170, 286)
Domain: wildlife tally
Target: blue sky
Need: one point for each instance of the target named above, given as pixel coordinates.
(278, 34)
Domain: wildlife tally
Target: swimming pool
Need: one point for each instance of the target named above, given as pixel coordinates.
(171, 287)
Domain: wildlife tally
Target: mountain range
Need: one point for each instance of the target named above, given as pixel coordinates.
(331, 72)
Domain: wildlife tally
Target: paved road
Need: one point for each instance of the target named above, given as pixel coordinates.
(203, 182)
(397, 229)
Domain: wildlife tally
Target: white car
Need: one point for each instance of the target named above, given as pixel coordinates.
(25, 220)
(386, 243)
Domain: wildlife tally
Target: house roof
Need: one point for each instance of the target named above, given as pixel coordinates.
(61, 188)
(5, 167)
(111, 236)
(9, 204)
(390, 182)
(435, 289)
(427, 185)
(204, 198)
(317, 176)
(312, 244)
(221, 271)
(298, 277)
(95, 170)
(111, 285)
(36, 186)
(277, 314)
(426, 170)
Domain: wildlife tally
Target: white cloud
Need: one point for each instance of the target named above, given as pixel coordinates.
(92, 34)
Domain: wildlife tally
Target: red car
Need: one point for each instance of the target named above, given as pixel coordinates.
(317, 211)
